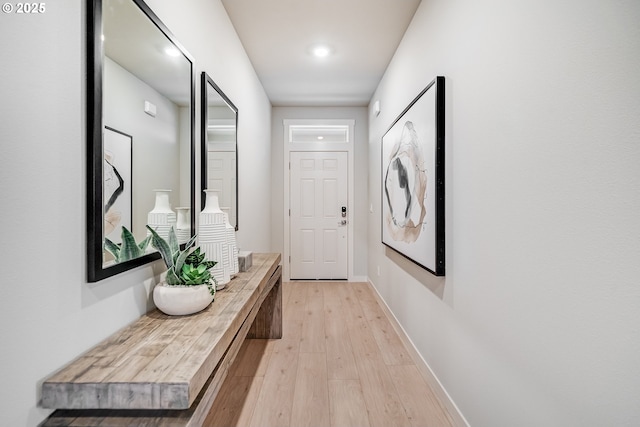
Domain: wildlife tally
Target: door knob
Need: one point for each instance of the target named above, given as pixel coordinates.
(343, 222)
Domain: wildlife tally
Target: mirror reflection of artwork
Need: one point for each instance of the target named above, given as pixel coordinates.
(412, 181)
(113, 188)
(117, 183)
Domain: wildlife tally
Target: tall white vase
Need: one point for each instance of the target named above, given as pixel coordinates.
(161, 218)
(234, 267)
(212, 238)
(183, 224)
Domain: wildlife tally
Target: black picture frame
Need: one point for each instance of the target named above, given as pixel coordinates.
(205, 82)
(413, 180)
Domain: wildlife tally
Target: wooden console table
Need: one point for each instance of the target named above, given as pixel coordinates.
(163, 370)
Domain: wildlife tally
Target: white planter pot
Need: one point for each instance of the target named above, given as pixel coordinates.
(181, 300)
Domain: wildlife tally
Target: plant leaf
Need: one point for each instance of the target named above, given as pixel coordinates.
(200, 257)
(186, 249)
(211, 284)
(190, 242)
(209, 264)
(113, 248)
(172, 278)
(180, 260)
(129, 249)
(144, 244)
(194, 257)
(173, 241)
(195, 275)
(162, 246)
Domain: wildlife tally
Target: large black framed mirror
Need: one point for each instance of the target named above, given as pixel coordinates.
(219, 138)
(140, 129)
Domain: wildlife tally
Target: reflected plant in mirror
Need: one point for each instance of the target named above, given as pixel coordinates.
(141, 100)
(128, 248)
(219, 170)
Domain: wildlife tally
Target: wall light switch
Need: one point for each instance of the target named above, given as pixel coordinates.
(149, 108)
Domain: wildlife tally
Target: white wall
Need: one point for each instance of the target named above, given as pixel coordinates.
(360, 213)
(536, 322)
(156, 161)
(48, 313)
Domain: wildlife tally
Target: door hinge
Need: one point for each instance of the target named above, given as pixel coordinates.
(289, 212)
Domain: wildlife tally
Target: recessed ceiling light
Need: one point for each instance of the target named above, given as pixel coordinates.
(321, 137)
(172, 51)
(321, 50)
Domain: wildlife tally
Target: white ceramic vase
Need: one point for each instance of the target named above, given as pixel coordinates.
(212, 238)
(181, 300)
(161, 218)
(234, 267)
(183, 224)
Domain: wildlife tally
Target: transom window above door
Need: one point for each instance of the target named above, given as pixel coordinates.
(315, 134)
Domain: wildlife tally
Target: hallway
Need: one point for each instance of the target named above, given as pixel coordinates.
(339, 363)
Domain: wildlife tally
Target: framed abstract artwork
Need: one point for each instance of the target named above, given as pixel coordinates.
(116, 188)
(413, 181)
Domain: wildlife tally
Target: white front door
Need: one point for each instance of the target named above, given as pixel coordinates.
(318, 229)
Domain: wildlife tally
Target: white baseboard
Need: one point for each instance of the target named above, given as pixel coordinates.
(422, 365)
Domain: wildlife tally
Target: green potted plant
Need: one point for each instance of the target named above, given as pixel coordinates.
(188, 286)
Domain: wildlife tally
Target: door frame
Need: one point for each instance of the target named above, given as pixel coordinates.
(347, 147)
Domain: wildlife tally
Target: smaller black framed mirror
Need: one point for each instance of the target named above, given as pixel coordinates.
(219, 136)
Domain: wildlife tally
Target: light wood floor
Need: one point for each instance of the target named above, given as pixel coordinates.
(339, 363)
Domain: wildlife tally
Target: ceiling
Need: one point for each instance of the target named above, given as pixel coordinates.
(133, 41)
(278, 35)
